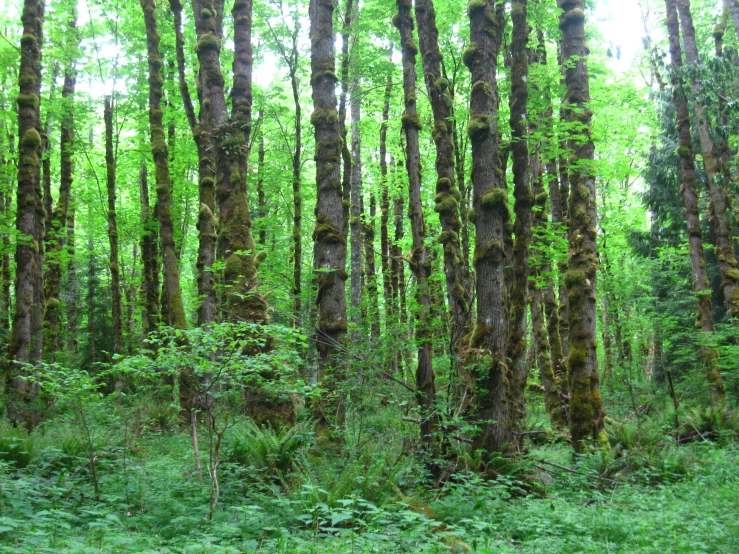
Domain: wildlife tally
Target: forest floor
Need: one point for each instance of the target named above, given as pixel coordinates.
(149, 498)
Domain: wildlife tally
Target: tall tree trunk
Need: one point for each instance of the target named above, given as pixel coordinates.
(385, 206)
(296, 181)
(208, 15)
(46, 148)
(56, 230)
(448, 196)
(261, 198)
(703, 318)
(174, 310)
(6, 186)
(72, 283)
(329, 234)
(712, 163)
(355, 219)
(519, 299)
(150, 257)
(559, 193)
(26, 337)
(115, 268)
(368, 230)
(490, 204)
(346, 157)
(586, 406)
(420, 259)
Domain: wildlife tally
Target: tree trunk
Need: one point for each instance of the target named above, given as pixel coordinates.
(368, 230)
(329, 234)
(174, 310)
(448, 196)
(297, 193)
(491, 214)
(115, 268)
(519, 299)
(56, 230)
(26, 338)
(719, 204)
(261, 198)
(420, 260)
(355, 219)
(704, 320)
(385, 207)
(72, 283)
(208, 14)
(346, 157)
(150, 257)
(586, 407)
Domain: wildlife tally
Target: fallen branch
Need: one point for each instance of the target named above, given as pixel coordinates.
(570, 470)
(401, 383)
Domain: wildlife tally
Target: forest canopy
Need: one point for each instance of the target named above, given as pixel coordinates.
(317, 275)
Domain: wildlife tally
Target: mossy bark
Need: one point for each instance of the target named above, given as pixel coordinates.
(175, 310)
(208, 14)
(368, 232)
(356, 215)
(385, 205)
(586, 407)
(346, 156)
(703, 317)
(420, 260)
(114, 265)
(261, 197)
(72, 282)
(491, 410)
(297, 161)
(329, 234)
(519, 298)
(26, 335)
(448, 197)
(719, 205)
(57, 228)
(150, 257)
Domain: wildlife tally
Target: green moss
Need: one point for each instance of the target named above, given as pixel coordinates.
(31, 139)
(27, 100)
(574, 278)
(324, 117)
(471, 54)
(27, 81)
(447, 236)
(325, 232)
(482, 87)
(479, 335)
(472, 216)
(541, 199)
(444, 203)
(441, 83)
(411, 121)
(29, 40)
(496, 197)
(396, 21)
(208, 41)
(443, 185)
(52, 304)
(474, 7)
(733, 273)
(571, 17)
(479, 127)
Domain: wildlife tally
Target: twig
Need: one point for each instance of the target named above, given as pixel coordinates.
(570, 470)
(401, 383)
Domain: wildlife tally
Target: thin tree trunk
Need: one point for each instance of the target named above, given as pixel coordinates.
(387, 286)
(448, 196)
(719, 204)
(56, 231)
(490, 204)
(26, 338)
(701, 287)
(261, 198)
(297, 193)
(115, 268)
(586, 407)
(346, 158)
(519, 299)
(6, 165)
(150, 257)
(373, 299)
(420, 260)
(72, 283)
(329, 234)
(355, 219)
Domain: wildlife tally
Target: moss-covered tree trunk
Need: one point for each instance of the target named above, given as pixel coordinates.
(719, 204)
(26, 336)
(368, 232)
(261, 197)
(330, 230)
(150, 258)
(115, 268)
(175, 310)
(346, 156)
(355, 217)
(208, 15)
(72, 282)
(586, 407)
(56, 230)
(701, 287)
(387, 286)
(6, 167)
(420, 259)
(491, 214)
(448, 197)
(519, 299)
(297, 162)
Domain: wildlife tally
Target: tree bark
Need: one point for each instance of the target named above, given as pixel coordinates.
(174, 309)
(261, 198)
(72, 283)
(368, 230)
(385, 206)
(586, 407)
(519, 299)
(26, 336)
(346, 157)
(448, 197)
(719, 204)
(115, 268)
(420, 260)
(150, 258)
(701, 287)
(355, 218)
(56, 230)
(329, 234)
(491, 214)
